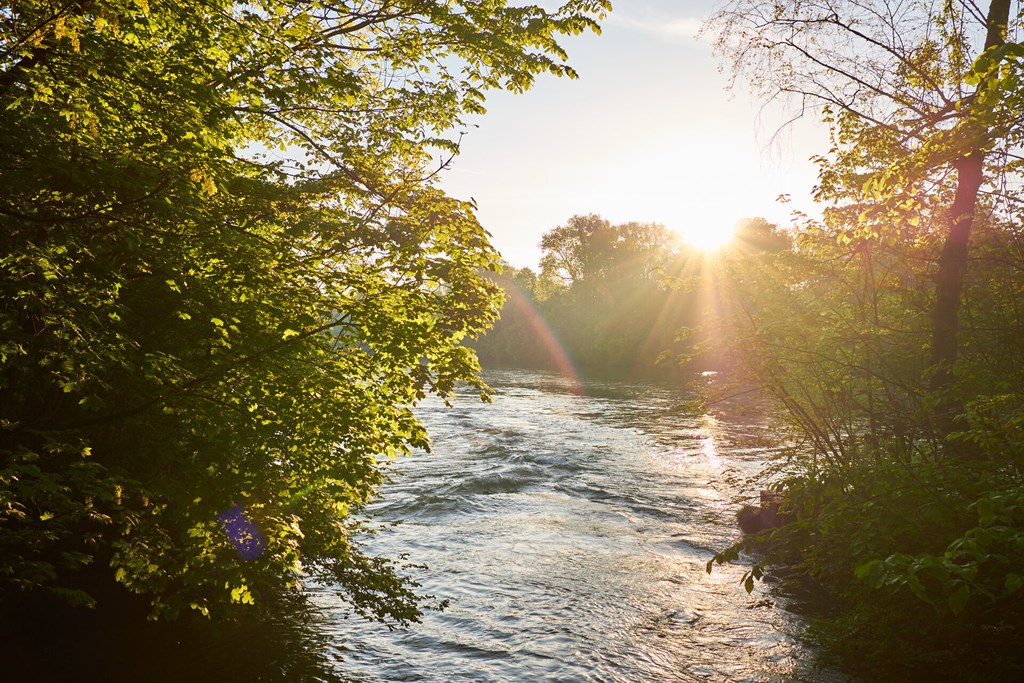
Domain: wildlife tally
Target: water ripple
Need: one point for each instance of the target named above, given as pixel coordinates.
(570, 534)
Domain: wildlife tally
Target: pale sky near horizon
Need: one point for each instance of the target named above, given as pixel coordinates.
(648, 133)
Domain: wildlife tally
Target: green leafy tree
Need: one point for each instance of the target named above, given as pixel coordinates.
(836, 331)
(755, 235)
(228, 276)
(606, 296)
(578, 248)
(518, 336)
(921, 96)
(889, 334)
(589, 247)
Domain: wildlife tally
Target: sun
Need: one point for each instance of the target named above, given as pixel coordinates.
(709, 235)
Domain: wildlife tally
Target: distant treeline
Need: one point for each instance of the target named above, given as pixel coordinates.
(618, 299)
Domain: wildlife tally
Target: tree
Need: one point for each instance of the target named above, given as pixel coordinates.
(518, 337)
(607, 300)
(884, 349)
(590, 247)
(915, 92)
(909, 548)
(228, 276)
(572, 250)
(757, 234)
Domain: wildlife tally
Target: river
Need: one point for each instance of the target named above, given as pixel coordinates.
(567, 525)
(570, 530)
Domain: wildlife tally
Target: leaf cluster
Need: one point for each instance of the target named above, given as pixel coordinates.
(227, 278)
(896, 523)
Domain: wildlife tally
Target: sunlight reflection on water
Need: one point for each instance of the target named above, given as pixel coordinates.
(710, 451)
(570, 534)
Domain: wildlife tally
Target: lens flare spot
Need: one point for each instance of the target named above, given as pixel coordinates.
(243, 534)
(539, 326)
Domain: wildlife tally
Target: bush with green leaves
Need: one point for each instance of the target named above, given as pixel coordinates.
(228, 275)
(910, 540)
(892, 336)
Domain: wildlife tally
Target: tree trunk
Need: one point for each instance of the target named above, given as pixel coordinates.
(949, 280)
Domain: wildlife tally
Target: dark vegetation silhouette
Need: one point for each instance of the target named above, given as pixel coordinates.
(770, 514)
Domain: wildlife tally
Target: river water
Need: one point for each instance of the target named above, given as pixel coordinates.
(567, 525)
(570, 530)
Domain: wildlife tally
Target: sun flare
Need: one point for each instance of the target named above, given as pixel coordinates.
(709, 236)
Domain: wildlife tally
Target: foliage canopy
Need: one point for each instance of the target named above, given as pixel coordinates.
(891, 335)
(227, 276)
(924, 102)
(614, 296)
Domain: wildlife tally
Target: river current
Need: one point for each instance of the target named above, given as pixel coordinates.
(567, 525)
(569, 531)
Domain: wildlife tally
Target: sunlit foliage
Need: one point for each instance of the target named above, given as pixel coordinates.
(891, 336)
(227, 276)
(600, 291)
(908, 546)
(616, 297)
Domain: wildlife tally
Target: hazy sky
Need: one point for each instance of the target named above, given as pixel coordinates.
(648, 133)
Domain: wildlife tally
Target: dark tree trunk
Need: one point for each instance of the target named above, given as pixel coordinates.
(952, 265)
(949, 280)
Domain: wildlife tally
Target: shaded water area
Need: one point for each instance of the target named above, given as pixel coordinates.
(570, 533)
(569, 530)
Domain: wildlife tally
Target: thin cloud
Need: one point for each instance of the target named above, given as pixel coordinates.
(663, 27)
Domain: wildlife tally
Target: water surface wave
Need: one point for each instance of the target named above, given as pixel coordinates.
(570, 535)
